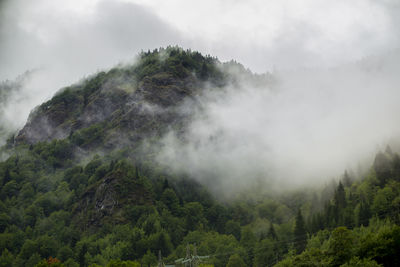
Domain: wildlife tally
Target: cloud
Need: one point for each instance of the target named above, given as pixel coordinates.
(42, 33)
(93, 34)
(304, 129)
(323, 115)
(285, 34)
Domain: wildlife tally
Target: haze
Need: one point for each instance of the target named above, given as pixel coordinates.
(336, 63)
(304, 128)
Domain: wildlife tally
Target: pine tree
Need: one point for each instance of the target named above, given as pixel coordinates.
(300, 234)
(339, 203)
(316, 223)
(364, 214)
(340, 197)
(382, 167)
(396, 167)
(81, 255)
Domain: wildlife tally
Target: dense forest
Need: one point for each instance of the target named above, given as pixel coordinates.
(80, 185)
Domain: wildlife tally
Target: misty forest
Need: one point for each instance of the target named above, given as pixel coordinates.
(174, 157)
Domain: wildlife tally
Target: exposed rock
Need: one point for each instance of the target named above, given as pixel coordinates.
(105, 199)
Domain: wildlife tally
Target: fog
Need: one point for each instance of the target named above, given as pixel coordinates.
(304, 128)
(332, 105)
(284, 34)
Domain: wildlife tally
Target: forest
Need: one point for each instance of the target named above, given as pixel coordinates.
(80, 186)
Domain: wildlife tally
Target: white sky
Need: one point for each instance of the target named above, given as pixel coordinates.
(260, 34)
(282, 33)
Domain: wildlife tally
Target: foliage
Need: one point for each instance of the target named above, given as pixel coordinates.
(61, 204)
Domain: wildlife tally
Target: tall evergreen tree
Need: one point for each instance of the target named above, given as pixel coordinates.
(382, 167)
(340, 197)
(316, 223)
(396, 167)
(300, 233)
(364, 214)
(81, 255)
(339, 203)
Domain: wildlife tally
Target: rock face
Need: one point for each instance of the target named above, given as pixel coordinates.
(138, 101)
(106, 199)
(119, 109)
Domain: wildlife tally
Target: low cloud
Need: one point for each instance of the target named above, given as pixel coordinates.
(305, 128)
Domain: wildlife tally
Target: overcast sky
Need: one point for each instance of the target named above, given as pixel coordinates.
(85, 35)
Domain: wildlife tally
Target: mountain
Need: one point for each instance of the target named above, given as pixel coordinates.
(139, 100)
(81, 186)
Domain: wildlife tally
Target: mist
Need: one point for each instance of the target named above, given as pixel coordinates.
(331, 106)
(302, 129)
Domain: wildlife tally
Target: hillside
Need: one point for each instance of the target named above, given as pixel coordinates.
(137, 100)
(81, 186)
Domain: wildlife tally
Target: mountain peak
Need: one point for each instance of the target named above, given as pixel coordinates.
(125, 97)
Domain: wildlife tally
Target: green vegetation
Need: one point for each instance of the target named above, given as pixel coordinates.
(113, 211)
(61, 206)
(94, 111)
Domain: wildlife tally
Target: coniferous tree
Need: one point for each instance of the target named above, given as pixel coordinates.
(300, 233)
(248, 241)
(81, 255)
(316, 223)
(382, 167)
(364, 214)
(340, 197)
(339, 204)
(396, 167)
(330, 215)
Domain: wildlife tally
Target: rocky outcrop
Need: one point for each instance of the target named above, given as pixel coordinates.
(106, 199)
(146, 110)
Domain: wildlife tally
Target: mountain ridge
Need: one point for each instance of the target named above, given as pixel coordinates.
(80, 187)
(123, 95)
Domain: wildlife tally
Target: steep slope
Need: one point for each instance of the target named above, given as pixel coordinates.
(135, 101)
(89, 209)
